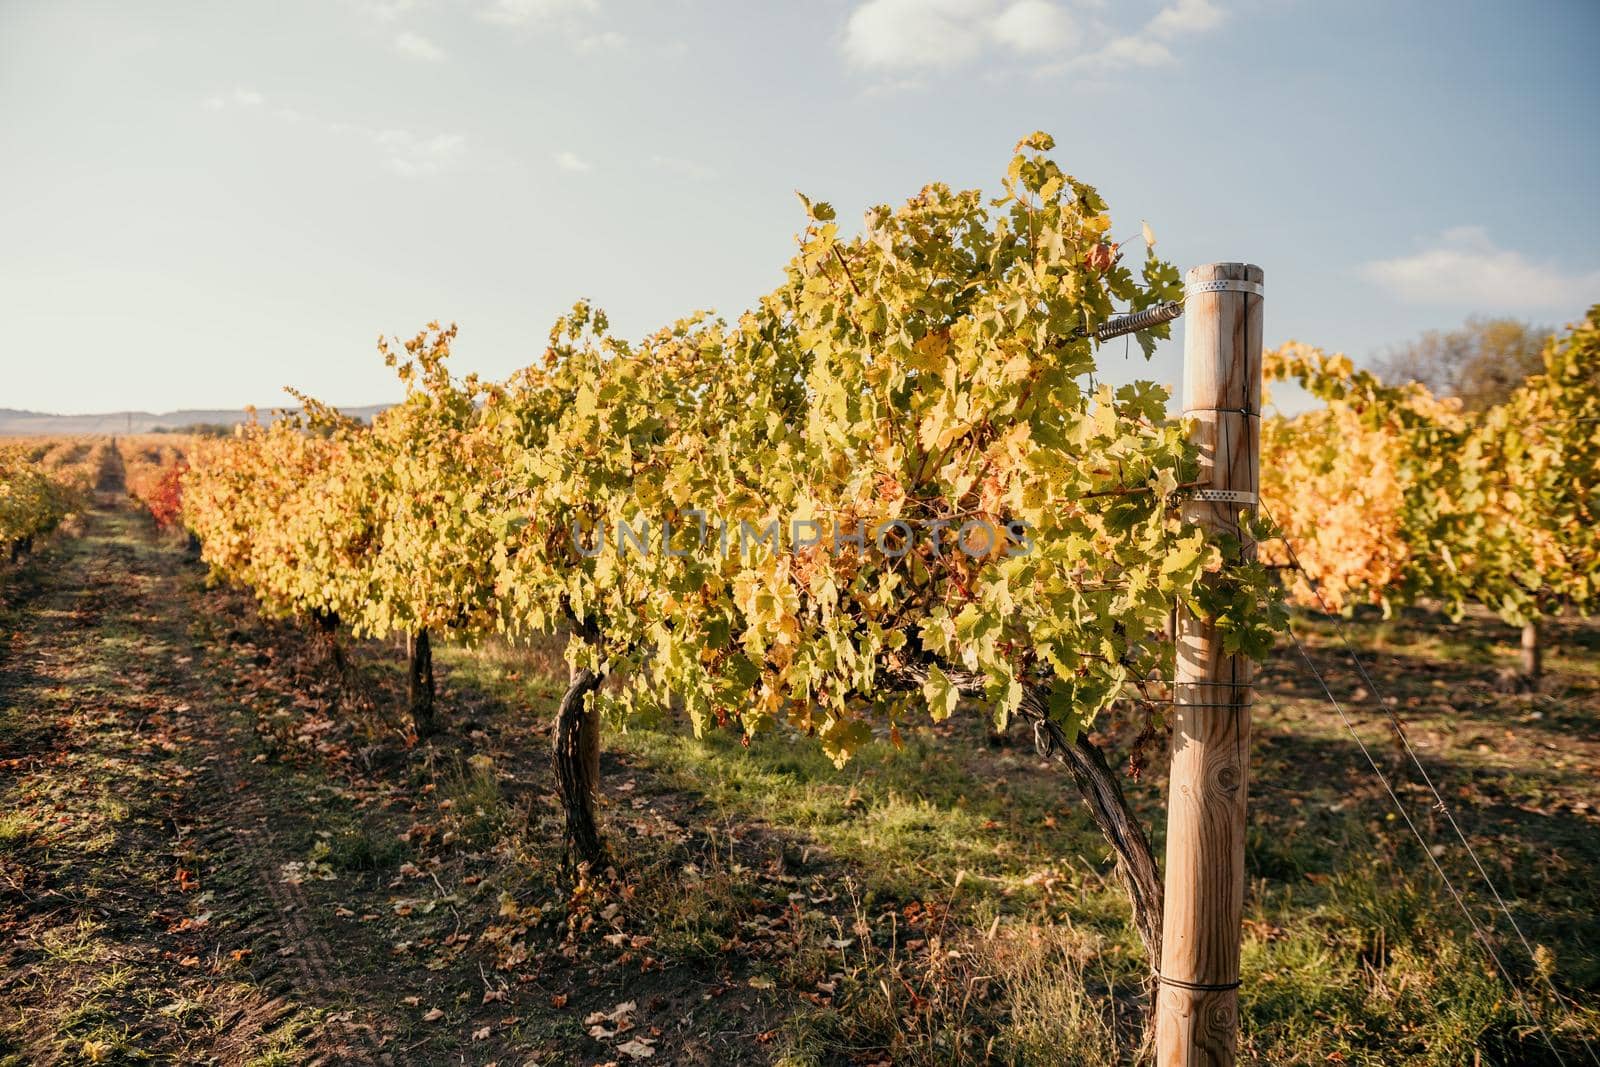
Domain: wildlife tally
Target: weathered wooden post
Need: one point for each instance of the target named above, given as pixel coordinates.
(1197, 1006)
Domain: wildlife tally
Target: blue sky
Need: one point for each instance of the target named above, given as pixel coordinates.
(201, 203)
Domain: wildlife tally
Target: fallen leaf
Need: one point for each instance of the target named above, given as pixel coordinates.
(638, 1049)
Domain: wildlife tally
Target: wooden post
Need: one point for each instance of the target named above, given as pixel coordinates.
(1197, 1005)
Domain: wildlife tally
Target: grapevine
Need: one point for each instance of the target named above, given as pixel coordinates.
(948, 510)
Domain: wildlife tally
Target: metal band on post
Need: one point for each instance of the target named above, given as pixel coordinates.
(1225, 496)
(1199, 987)
(1224, 285)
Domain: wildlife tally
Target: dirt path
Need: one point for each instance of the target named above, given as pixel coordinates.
(210, 852)
(143, 908)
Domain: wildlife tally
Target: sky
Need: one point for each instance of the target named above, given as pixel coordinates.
(202, 203)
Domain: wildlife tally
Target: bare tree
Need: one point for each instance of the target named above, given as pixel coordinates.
(1482, 362)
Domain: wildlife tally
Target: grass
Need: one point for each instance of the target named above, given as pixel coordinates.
(1353, 951)
(355, 848)
(471, 790)
(1020, 992)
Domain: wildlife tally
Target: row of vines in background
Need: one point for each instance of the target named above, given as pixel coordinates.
(1387, 494)
(153, 466)
(43, 479)
(77, 462)
(34, 496)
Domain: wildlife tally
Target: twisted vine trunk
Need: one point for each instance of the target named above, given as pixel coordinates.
(1532, 652)
(419, 684)
(326, 625)
(577, 758)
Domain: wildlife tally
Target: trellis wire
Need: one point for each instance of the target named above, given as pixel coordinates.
(1477, 930)
(1439, 802)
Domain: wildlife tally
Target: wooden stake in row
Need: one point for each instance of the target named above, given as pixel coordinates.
(1197, 1005)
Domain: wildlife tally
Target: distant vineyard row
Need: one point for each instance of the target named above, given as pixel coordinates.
(45, 479)
(1388, 494)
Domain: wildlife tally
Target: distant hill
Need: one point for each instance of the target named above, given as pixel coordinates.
(15, 422)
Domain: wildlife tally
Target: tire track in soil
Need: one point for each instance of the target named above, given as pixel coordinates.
(238, 838)
(74, 608)
(229, 830)
(243, 843)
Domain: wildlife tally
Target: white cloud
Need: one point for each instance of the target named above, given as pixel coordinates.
(419, 157)
(924, 34)
(575, 21)
(572, 19)
(1147, 48)
(569, 161)
(1463, 267)
(915, 33)
(920, 35)
(685, 168)
(404, 153)
(1130, 51)
(415, 46)
(1185, 16)
(1033, 26)
(520, 12)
